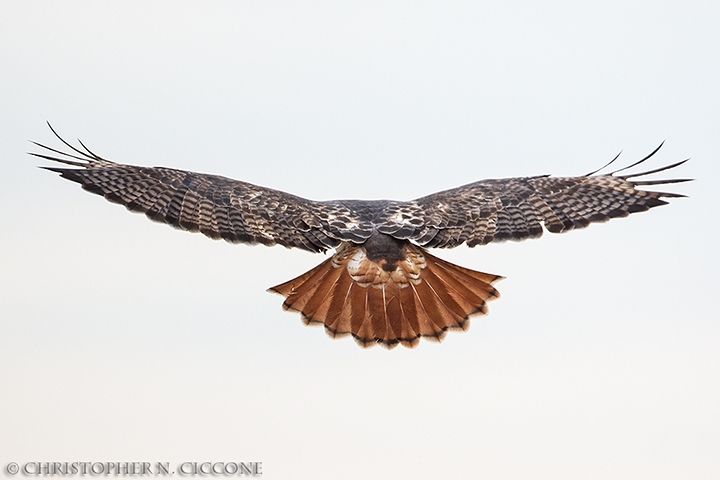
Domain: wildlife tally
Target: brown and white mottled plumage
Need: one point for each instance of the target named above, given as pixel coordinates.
(381, 285)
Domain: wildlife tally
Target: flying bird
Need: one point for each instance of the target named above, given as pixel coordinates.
(381, 285)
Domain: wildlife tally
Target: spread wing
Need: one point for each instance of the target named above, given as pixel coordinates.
(476, 214)
(219, 207)
(517, 208)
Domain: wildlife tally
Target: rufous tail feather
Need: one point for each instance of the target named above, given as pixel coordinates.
(423, 297)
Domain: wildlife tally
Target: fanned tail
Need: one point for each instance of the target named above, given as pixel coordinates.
(424, 297)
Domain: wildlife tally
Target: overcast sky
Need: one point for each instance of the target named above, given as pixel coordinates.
(126, 340)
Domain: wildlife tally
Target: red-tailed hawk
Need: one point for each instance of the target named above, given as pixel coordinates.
(381, 285)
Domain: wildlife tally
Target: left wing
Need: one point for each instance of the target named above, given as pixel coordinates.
(219, 207)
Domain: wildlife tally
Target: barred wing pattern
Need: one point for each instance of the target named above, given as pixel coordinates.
(516, 208)
(376, 263)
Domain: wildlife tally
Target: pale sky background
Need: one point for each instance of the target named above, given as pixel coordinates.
(125, 340)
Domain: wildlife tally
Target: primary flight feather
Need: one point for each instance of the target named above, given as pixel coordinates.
(381, 285)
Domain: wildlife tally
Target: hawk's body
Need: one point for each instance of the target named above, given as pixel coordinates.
(381, 285)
